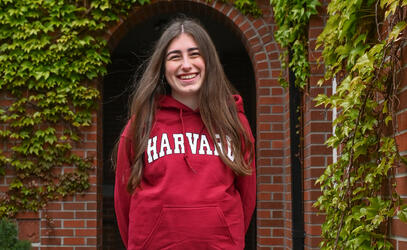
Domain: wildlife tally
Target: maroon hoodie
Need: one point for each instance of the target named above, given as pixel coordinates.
(189, 199)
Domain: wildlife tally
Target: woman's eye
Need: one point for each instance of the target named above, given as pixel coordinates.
(173, 57)
(195, 54)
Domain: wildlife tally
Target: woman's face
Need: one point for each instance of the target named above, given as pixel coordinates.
(184, 69)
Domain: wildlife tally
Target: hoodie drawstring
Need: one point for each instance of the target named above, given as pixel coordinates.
(185, 140)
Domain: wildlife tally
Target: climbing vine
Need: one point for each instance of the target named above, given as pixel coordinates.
(292, 18)
(362, 43)
(51, 51)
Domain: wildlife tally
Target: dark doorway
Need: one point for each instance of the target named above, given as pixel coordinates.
(127, 58)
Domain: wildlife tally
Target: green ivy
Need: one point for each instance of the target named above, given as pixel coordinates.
(247, 7)
(49, 54)
(292, 18)
(361, 42)
(51, 51)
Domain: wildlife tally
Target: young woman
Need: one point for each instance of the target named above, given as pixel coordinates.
(185, 173)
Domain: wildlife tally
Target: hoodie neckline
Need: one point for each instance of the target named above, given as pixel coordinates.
(167, 101)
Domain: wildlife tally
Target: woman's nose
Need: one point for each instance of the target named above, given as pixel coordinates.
(186, 64)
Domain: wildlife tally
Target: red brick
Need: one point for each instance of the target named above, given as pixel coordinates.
(277, 109)
(91, 205)
(60, 215)
(271, 188)
(402, 121)
(277, 196)
(86, 215)
(278, 232)
(402, 245)
(57, 232)
(271, 241)
(268, 83)
(74, 223)
(91, 223)
(27, 215)
(401, 187)
(260, 57)
(263, 162)
(86, 197)
(272, 136)
(264, 232)
(277, 144)
(91, 241)
(51, 223)
(74, 206)
(270, 118)
(50, 241)
(85, 232)
(233, 13)
(29, 230)
(402, 141)
(269, 223)
(91, 137)
(270, 205)
(74, 241)
(270, 100)
(264, 197)
(269, 170)
(271, 153)
(398, 228)
(263, 143)
(264, 110)
(313, 229)
(263, 179)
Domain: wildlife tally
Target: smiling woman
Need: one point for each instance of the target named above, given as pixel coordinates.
(185, 174)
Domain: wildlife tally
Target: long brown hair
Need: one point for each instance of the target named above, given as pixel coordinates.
(216, 102)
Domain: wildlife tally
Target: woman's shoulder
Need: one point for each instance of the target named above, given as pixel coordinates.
(128, 131)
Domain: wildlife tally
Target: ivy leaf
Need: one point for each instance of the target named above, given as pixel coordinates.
(397, 30)
(402, 213)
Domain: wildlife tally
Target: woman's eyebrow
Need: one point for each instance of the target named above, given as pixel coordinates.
(177, 51)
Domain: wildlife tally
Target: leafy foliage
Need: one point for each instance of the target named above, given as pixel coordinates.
(50, 51)
(247, 7)
(8, 237)
(292, 18)
(362, 41)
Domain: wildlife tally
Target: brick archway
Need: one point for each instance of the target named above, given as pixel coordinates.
(270, 105)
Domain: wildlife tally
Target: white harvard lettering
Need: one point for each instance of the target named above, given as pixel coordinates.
(194, 143)
(178, 142)
(204, 144)
(152, 147)
(177, 146)
(165, 144)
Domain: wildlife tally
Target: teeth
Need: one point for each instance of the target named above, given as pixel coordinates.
(185, 77)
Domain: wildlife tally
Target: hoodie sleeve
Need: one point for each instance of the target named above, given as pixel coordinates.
(121, 195)
(246, 185)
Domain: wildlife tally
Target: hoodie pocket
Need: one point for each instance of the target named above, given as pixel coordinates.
(181, 224)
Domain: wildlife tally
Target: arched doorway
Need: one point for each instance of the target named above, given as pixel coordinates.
(128, 57)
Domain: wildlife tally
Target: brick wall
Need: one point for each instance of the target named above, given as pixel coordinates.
(316, 130)
(398, 228)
